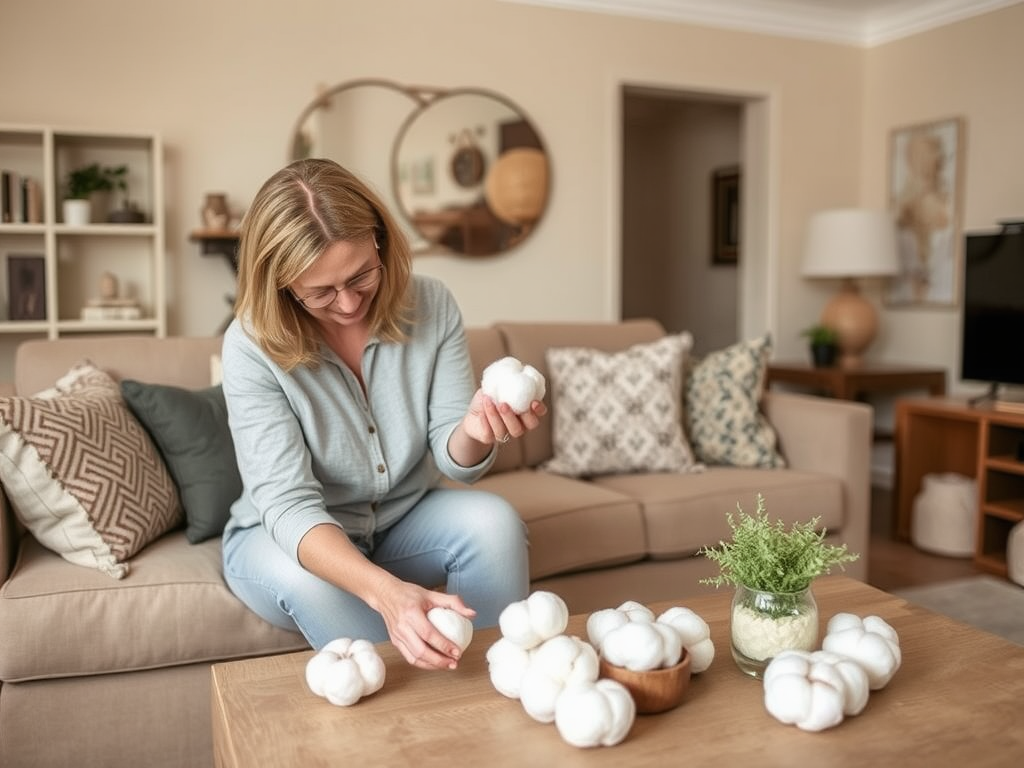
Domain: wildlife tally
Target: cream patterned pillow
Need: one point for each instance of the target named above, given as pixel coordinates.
(82, 474)
(724, 421)
(619, 412)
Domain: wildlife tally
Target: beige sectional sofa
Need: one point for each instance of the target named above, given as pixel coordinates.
(103, 672)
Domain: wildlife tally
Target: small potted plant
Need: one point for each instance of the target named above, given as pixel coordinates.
(82, 182)
(824, 342)
(772, 569)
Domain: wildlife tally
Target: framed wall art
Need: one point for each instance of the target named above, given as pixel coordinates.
(925, 198)
(26, 287)
(725, 216)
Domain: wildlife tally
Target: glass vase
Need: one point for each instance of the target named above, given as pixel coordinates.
(767, 623)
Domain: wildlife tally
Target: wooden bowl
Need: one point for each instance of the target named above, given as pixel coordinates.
(655, 690)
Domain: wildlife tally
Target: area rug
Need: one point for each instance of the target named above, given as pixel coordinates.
(984, 602)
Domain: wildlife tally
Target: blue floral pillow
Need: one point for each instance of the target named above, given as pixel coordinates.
(724, 421)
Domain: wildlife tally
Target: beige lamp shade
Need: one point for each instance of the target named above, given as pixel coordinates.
(517, 186)
(848, 243)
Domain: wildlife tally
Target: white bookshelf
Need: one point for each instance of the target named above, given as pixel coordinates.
(73, 258)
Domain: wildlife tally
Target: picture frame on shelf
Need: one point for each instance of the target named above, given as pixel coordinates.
(725, 216)
(925, 189)
(26, 287)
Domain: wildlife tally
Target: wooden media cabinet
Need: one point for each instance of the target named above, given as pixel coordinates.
(935, 435)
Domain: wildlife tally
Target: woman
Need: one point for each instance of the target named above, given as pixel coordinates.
(350, 392)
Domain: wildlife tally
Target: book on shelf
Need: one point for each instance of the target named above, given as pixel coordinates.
(1009, 405)
(111, 309)
(21, 200)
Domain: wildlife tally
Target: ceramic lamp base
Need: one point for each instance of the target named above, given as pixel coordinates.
(855, 321)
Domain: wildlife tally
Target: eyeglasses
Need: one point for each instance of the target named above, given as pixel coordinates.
(364, 281)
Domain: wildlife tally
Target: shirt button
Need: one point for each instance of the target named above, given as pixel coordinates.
(381, 468)
(374, 505)
(373, 429)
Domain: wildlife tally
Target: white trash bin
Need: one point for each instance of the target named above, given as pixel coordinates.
(1015, 554)
(945, 515)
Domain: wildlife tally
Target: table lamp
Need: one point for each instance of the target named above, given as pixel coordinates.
(849, 243)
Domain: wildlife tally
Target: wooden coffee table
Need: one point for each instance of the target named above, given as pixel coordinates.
(955, 701)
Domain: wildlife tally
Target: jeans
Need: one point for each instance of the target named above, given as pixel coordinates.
(471, 542)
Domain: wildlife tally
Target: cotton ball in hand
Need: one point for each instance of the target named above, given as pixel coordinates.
(452, 625)
(509, 381)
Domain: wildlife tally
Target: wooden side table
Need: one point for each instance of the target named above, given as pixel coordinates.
(849, 384)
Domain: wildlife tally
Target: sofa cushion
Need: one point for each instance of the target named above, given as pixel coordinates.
(619, 411)
(573, 524)
(683, 513)
(723, 415)
(82, 474)
(528, 342)
(57, 620)
(190, 428)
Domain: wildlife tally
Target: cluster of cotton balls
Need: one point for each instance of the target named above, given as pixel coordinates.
(509, 381)
(555, 676)
(816, 690)
(631, 636)
(346, 670)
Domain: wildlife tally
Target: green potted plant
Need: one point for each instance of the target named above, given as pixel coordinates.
(824, 342)
(772, 569)
(82, 182)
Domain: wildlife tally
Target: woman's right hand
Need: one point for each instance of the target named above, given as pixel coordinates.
(404, 607)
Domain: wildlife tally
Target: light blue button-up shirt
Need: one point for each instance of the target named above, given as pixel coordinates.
(313, 449)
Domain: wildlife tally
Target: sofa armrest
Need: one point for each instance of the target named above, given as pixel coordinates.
(833, 437)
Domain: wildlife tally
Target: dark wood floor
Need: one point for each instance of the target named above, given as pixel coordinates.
(896, 564)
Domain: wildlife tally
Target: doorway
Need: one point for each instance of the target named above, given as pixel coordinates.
(673, 145)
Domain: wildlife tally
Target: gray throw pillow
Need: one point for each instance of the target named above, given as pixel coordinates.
(190, 429)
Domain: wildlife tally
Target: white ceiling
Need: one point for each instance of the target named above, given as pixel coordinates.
(853, 22)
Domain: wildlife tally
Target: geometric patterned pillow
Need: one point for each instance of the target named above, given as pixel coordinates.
(619, 412)
(82, 474)
(724, 419)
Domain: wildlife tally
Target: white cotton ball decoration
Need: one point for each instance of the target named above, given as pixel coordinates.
(601, 622)
(695, 634)
(345, 670)
(636, 611)
(507, 663)
(557, 663)
(509, 381)
(452, 625)
(595, 714)
(802, 691)
(871, 642)
(530, 622)
(642, 645)
(855, 680)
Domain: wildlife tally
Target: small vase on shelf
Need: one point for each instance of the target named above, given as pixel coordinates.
(215, 213)
(766, 623)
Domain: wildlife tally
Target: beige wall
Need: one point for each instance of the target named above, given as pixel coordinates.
(224, 82)
(971, 69)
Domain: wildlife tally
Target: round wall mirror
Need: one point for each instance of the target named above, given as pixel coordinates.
(464, 169)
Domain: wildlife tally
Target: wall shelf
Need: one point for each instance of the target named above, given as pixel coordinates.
(218, 242)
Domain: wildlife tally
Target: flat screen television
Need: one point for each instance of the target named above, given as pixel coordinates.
(992, 342)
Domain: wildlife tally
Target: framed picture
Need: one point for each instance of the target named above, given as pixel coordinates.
(725, 216)
(26, 287)
(925, 197)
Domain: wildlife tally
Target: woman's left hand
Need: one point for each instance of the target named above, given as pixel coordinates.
(490, 422)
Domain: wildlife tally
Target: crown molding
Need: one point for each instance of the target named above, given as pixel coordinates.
(850, 23)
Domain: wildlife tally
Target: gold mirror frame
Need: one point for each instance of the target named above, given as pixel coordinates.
(465, 168)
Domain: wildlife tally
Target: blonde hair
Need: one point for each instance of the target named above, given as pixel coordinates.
(297, 214)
